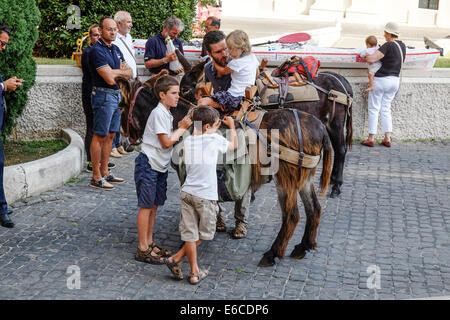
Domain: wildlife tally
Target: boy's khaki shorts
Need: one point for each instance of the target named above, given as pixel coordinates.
(198, 218)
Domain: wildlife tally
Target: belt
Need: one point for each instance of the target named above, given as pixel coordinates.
(115, 91)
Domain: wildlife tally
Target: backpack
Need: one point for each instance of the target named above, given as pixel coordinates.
(307, 66)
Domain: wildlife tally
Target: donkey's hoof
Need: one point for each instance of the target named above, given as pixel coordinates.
(335, 192)
(266, 262)
(298, 253)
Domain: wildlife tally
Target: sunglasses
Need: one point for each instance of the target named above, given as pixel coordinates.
(3, 43)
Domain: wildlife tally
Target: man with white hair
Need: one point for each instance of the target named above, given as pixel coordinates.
(125, 43)
(156, 56)
(124, 40)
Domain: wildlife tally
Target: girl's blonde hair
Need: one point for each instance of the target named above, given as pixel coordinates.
(239, 39)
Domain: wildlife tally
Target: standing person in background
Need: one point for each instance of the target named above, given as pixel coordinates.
(9, 85)
(107, 64)
(156, 56)
(386, 84)
(124, 42)
(86, 91)
(211, 24)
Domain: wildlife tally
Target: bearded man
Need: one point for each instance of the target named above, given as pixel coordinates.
(216, 47)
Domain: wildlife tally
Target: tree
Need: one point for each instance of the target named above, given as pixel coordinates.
(61, 26)
(22, 17)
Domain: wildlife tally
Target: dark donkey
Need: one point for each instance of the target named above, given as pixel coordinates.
(289, 179)
(339, 122)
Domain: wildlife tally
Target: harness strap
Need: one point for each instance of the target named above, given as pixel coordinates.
(300, 143)
(261, 137)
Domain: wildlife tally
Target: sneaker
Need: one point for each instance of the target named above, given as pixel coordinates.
(115, 153)
(122, 150)
(113, 179)
(111, 165)
(101, 184)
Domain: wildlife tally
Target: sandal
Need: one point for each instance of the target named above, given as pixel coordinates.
(200, 276)
(368, 143)
(146, 256)
(240, 231)
(161, 251)
(220, 224)
(175, 268)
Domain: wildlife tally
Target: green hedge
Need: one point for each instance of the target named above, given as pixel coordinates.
(57, 40)
(22, 16)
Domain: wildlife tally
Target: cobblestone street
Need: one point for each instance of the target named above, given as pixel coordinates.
(394, 212)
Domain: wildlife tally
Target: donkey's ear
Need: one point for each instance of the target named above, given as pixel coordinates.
(186, 65)
(125, 89)
(198, 68)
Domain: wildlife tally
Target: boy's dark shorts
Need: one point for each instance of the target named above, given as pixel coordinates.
(151, 185)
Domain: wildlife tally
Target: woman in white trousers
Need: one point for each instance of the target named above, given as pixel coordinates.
(386, 84)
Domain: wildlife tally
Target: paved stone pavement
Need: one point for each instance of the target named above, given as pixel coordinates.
(394, 213)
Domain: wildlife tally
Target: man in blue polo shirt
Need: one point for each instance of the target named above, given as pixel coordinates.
(107, 63)
(156, 56)
(9, 85)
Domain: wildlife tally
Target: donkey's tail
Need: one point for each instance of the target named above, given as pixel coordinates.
(327, 163)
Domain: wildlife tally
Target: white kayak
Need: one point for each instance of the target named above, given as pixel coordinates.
(275, 53)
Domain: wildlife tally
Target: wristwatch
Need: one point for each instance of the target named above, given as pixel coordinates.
(164, 60)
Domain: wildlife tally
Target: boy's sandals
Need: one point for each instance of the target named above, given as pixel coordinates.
(220, 224)
(200, 276)
(148, 257)
(240, 231)
(160, 251)
(175, 268)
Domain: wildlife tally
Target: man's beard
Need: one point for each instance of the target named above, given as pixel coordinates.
(222, 64)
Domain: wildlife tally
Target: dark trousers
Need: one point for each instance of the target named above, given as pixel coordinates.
(116, 141)
(89, 113)
(3, 204)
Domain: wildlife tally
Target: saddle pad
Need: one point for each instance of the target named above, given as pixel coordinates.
(300, 94)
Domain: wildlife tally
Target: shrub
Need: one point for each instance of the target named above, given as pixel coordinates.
(22, 17)
(57, 40)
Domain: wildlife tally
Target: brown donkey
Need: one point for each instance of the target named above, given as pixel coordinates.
(289, 179)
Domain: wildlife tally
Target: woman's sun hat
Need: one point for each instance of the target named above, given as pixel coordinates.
(392, 28)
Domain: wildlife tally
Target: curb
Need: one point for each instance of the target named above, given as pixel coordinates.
(34, 177)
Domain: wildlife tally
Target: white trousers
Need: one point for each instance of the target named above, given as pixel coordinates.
(380, 98)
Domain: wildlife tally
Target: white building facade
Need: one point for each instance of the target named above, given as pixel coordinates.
(410, 12)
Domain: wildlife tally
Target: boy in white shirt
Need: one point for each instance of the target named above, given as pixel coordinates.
(152, 163)
(199, 193)
(371, 47)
